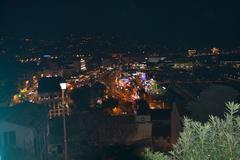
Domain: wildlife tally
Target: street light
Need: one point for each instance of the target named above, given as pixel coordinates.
(63, 88)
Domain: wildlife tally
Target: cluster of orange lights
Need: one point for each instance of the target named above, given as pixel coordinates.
(117, 111)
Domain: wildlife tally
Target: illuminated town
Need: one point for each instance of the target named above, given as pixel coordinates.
(107, 96)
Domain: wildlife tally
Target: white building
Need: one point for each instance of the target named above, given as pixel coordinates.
(23, 132)
(83, 65)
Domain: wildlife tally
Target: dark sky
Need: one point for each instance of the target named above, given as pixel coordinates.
(211, 21)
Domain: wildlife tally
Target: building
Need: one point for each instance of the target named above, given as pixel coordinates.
(215, 51)
(49, 94)
(165, 127)
(93, 130)
(49, 91)
(22, 134)
(83, 65)
(192, 52)
(183, 65)
(55, 139)
(154, 59)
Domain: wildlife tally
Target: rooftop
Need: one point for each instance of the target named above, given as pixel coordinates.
(49, 85)
(25, 114)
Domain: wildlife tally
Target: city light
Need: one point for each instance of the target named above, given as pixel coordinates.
(105, 80)
(63, 86)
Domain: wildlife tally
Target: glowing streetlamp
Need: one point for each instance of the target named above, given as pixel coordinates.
(63, 88)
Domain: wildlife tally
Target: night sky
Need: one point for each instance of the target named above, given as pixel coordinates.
(187, 21)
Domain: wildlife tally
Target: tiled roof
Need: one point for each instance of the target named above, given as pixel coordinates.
(26, 114)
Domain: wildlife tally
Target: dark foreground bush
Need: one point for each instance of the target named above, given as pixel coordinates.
(217, 139)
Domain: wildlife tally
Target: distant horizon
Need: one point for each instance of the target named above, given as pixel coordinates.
(223, 43)
(199, 23)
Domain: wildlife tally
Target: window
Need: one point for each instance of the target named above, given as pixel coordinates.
(1, 142)
(59, 149)
(5, 138)
(9, 138)
(12, 137)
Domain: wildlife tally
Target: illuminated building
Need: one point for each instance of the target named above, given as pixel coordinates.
(154, 59)
(215, 51)
(192, 52)
(49, 94)
(153, 88)
(138, 66)
(183, 65)
(116, 111)
(83, 65)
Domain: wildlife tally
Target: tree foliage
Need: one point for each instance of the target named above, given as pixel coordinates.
(149, 155)
(217, 139)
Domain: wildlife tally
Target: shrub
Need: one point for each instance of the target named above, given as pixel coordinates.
(149, 155)
(217, 139)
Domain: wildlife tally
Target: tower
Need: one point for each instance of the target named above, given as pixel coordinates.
(83, 65)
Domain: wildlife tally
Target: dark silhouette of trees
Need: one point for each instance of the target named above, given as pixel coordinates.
(142, 107)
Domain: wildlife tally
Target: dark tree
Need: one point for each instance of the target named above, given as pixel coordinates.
(110, 103)
(142, 107)
(81, 98)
